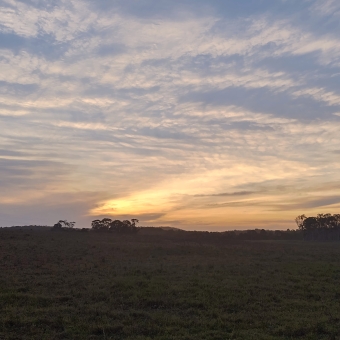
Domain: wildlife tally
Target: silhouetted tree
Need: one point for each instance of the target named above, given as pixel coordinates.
(102, 225)
(321, 227)
(116, 226)
(63, 224)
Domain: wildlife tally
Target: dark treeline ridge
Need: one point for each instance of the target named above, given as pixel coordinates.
(116, 226)
(106, 225)
(323, 227)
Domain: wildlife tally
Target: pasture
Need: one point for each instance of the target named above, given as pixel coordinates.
(74, 285)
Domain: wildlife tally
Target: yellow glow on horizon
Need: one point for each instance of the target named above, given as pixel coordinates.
(176, 204)
(195, 200)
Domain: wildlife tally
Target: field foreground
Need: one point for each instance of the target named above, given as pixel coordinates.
(60, 285)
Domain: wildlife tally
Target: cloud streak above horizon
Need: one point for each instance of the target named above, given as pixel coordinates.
(207, 115)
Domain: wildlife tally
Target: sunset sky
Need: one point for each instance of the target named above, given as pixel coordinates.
(196, 114)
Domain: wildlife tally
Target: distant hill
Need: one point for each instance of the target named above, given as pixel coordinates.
(157, 230)
(31, 227)
(170, 228)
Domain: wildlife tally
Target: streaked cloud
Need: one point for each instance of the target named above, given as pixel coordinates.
(202, 115)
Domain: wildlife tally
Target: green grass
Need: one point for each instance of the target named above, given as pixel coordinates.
(59, 285)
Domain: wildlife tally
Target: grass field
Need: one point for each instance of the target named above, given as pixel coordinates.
(60, 285)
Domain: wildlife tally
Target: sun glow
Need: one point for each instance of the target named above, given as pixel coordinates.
(148, 202)
(207, 198)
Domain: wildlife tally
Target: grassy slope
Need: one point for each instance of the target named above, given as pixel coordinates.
(57, 285)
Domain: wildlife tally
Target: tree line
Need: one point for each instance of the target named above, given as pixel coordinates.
(321, 227)
(116, 226)
(104, 225)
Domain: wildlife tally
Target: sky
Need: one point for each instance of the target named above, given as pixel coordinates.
(201, 115)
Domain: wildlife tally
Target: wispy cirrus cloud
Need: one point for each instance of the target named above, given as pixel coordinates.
(181, 112)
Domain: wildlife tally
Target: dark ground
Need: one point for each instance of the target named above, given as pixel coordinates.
(74, 285)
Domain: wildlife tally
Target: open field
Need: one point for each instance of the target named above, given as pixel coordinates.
(61, 285)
